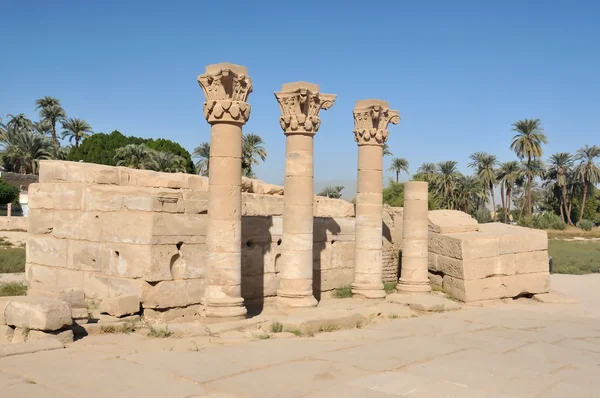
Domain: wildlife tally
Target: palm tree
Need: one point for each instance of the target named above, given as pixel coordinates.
(22, 150)
(485, 165)
(252, 151)
(587, 172)
(470, 193)
(508, 174)
(202, 152)
(558, 173)
(43, 127)
(57, 152)
(398, 165)
(76, 129)
(332, 192)
(445, 181)
(529, 172)
(51, 111)
(527, 143)
(19, 122)
(386, 150)
(135, 156)
(426, 171)
(166, 162)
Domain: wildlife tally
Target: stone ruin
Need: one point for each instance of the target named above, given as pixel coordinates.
(173, 246)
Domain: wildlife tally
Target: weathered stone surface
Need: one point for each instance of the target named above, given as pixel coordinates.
(451, 221)
(251, 185)
(464, 246)
(40, 221)
(515, 239)
(46, 250)
(496, 287)
(423, 302)
(75, 297)
(261, 205)
(171, 314)
(64, 336)
(120, 305)
(473, 269)
(79, 314)
(7, 350)
(6, 334)
(168, 294)
(554, 298)
(326, 207)
(56, 196)
(38, 313)
(532, 262)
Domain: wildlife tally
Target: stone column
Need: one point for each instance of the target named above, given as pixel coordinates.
(415, 229)
(226, 87)
(371, 118)
(9, 210)
(300, 104)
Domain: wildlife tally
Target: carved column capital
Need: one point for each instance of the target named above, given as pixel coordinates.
(371, 119)
(226, 87)
(300, 104)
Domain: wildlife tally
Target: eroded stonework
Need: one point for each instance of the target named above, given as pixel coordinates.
(300, 104)
(371, 119)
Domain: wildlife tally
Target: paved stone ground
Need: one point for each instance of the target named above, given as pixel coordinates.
(518, 349)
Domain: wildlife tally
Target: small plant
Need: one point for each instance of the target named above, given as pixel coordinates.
(109, 329)
(482, 215)
(586, 225)
(328, 328)
(264, 336)
(360, 323)
(13, 289)
(393, 316)
(342, 292)
(276, 327)
(126, 328)
(30, 381)
(389, 287)
(296, 332)
(158, 333)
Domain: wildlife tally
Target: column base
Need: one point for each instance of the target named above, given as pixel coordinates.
(296, 302)
(413, 287)
(368, 291)
(232, 309)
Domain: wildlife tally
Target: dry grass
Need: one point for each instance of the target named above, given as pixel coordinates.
(571, 232)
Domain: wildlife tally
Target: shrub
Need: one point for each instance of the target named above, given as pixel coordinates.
(342, 292)
(586, 225)
(13, 289)
(482, 215)
(547, 220)
(12, 259)
(8, 193)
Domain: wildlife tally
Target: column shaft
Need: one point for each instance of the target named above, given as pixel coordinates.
(296, 276)
(368, 269)
(222, 294)
(414, 272)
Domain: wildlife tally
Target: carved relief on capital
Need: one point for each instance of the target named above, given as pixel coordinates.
(300, 107)
(371, 119)
(226, 87)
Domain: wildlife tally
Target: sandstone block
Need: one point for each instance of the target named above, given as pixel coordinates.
(6, 334)
(40, 221)
(64, 336)
(168, 294)
(464, 246)
(19, 335)
(259, 286)
(38, 313)
(100, 286)
(3, 303)
(451, 221)
(57, 196)
(515, 239)
(41, 279)
(153, 179)
(259, 258)
(75, 297)
(496, 287)
(73, 224)
(171, 314)
(120, 305)
(532, 262)
(198, 183)
(164, 224)
(475, 269)
(326, 207)
(79, 314)
(128, 227)
(84, 255)
(91, 173)
(331, 279)
(53, 171)
(191, 262)
(435, 279)
(261, 205)
(148, 262)
(155, 200)
(46, 250)
(195, 202)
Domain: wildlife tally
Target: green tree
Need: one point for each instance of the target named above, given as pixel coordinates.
(167, 162)
(558, 175)
(19, 122)
(51, 112)
(587, 171)
(386, 150)
(470, 193)
(508, 175)
(398, 165)
(332, 192)
(485, 166)
(252, 152)
(527, 144)
(135, 156)
(21, 150)
(168, 146)
(202, 153)
(393, 194)
(8, 193)
(76, 129)
(445, 182)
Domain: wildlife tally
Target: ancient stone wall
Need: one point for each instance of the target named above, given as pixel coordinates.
(115, 231)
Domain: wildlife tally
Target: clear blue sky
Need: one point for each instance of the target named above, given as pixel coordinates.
(459, 72)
